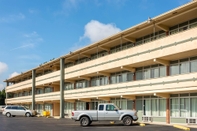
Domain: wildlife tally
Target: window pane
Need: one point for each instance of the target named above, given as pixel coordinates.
(174, 69)
(146, 73)
(124, 77)
(193, 107)
(101, 107)
(113, 79)
(139, 75)
(154, 72)
(193, 66)
(130, 76)
(148, 107)
(162, 107)
(184, 67)
(175, 107)
(154, 107)
(162, 71)
(184, 107)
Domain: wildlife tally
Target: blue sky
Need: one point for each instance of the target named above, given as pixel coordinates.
(32, 32)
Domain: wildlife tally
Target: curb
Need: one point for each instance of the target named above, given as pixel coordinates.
(141, 124)
(182, 127)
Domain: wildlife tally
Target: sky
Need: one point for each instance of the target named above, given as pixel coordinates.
(35, 31)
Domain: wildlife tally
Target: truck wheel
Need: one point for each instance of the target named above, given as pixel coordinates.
(84, 121)
(127, 121)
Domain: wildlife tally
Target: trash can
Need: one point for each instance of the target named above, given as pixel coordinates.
(45, 113)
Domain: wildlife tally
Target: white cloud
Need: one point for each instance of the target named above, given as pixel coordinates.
(68, 6)
(95, 30)
(13, 74)
(11, 18)
(1, 87)
(30, 40)
(3, 67)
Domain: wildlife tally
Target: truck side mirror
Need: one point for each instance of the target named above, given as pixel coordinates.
(115, 109)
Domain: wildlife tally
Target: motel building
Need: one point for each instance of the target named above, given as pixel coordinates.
(150, 67)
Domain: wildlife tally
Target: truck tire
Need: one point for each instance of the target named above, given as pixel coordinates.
(127, 121)
(84, 121)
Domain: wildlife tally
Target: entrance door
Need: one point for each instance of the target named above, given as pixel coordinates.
(147, 107)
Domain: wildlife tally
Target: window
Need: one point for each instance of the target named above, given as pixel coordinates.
(139, 75)
(110, 107)
(146, 72)
(9, 107)
(193, 62)
(174, 68)
(184, 66)
(14, 107)
(21, 108)
(101, 107)
(48, 89)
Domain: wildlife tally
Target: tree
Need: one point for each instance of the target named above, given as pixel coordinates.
(2, 97)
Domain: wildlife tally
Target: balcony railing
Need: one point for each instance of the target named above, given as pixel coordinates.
(184, 82)
(18, 100)
(173, 44)
(47, 96)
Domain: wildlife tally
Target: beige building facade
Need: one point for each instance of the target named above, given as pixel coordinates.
(150, 67)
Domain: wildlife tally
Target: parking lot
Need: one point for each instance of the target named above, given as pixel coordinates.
(51, 124)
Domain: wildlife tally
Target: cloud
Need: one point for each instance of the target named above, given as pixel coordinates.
(1, 87)
(12, 18)
(95, 30)
(68, 6)
(30, 40)
(13, 74)
(3, 67)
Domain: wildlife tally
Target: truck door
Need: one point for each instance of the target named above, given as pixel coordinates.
(111, 113)
(101, 112)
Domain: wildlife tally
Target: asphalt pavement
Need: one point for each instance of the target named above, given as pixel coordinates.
(51, 124)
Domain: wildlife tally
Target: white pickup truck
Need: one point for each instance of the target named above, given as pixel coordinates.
(105, 112)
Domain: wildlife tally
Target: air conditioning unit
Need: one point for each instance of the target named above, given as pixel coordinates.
(191, 120)
(147, 119)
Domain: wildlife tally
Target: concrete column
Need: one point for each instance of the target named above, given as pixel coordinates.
(62, 87)
(167, 110)
(134, 107)
(134, 76)
(109, 80)
(75, 106)
(167, 70)
(74, 85)
(6, 92)
(33, 88)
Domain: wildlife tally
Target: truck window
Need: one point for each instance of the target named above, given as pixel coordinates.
(101, 107)
(110, 108)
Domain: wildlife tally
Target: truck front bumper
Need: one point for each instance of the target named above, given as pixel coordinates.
(135, 118)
